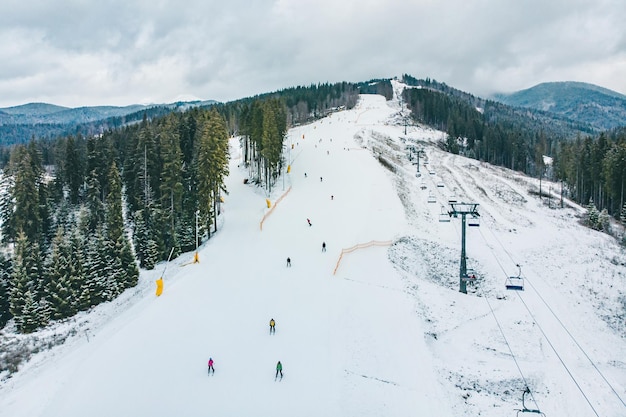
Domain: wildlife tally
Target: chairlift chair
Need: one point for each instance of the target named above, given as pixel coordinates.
(470, 276)
(432, 198)
(515, 283)
(473, 222)
(444, 216)
(525, 409)
(440, 185)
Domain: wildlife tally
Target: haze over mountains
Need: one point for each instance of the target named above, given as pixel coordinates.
(591, 107)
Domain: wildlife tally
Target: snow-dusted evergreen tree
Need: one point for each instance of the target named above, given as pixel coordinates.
(20, 282)
(95, 207)
(7, 206)
(28, 321)
(593, 216)
(76, 266)
(151, 255)
(622, 216)
(604, 220)
(211, 167)
(5, 276)
(59, 273)
(171, 186)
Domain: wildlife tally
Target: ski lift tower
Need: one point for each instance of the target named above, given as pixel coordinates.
(463, 209)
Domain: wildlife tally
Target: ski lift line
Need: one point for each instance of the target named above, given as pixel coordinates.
(558, 356)
(579, 346)
(561, 324)
(519, 369)
(541, 329)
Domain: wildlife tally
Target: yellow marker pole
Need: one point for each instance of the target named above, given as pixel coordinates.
(159, 286)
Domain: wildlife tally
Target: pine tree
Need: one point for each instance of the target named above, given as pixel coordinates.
(59, 273)
(73, 170)
(211, 166)
(94, 205)
(171, 187)
(26, 213)
(20, 284)
(77, 259)
(5, 276)
(593, 216)
(29, 318)
(152, 254)
(7, 207)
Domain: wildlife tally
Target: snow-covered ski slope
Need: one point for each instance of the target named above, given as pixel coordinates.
(388, 334)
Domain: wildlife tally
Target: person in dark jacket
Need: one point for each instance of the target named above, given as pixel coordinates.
(279, 370)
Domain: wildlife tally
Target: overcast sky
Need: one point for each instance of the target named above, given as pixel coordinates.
(118, 52)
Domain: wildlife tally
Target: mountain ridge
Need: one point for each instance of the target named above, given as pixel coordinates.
(600, 107)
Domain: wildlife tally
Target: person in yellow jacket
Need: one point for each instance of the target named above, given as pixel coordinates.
(272, 326)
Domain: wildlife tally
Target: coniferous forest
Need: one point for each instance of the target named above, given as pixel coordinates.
(590, 166)
(81, 215)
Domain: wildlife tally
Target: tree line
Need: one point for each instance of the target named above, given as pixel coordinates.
(590, 167)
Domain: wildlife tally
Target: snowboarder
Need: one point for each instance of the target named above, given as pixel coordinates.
(309, 222)
(320, 179)
(289, 262)
(211, 368)
(272, 328)
(323, 246)
(332, 197)
(305, 175)
(279, 370)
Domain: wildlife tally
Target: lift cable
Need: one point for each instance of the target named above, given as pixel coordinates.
(565, 328)
(519, 369)
(544, 334)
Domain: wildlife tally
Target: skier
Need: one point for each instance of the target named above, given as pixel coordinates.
(320, 179)
(309, 222)
(323, 246)
(211, 368)
(272, 328)
(305, 175)
(279, 370)
(289, 262)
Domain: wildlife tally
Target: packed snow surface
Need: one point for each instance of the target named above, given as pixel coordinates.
(379, 331)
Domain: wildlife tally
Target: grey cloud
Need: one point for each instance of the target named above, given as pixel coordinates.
(125, 51)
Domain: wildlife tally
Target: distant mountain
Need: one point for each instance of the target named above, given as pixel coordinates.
(19, 123)
(587, 103)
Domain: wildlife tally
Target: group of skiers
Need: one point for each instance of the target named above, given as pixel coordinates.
(279, 366)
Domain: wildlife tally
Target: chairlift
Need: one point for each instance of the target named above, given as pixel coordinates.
(444, 216)
(525, 409)
(452, 200)
(473, 221)
(515, 283)
(418, 174)
(423, 186)
(470, 276)
(432, 198)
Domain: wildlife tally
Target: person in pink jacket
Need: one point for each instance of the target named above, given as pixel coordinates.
(211, 368)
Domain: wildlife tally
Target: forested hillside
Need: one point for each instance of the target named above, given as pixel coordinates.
(69, 204)
(591, 166)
